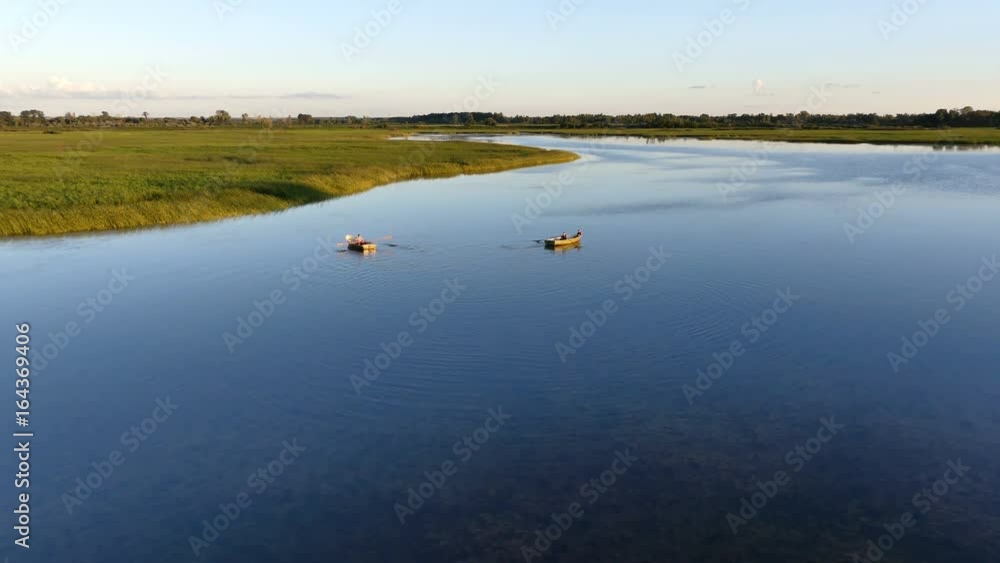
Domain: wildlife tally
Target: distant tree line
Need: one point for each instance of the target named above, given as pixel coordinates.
(37, 118)
(221, 118)
(965, 117)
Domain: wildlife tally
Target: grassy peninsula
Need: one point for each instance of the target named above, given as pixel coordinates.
(66, 181)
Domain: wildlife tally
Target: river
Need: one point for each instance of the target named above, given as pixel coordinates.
(814, 323)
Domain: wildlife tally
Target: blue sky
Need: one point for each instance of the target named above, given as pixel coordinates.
(185, 57)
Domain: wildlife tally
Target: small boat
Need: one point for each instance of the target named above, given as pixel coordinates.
(556, 242)
(360, 245)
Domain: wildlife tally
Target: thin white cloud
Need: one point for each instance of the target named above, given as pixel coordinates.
(842, 86)
(289, 96)
(61, 87)
(312, 96)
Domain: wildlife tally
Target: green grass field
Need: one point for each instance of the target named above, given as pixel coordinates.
(77, 181)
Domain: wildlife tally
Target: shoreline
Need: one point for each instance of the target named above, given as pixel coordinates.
(316, 178)
(958, 137)
(302, 173)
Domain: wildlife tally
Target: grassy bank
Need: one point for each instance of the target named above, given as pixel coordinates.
(958, 136)
(77, 181)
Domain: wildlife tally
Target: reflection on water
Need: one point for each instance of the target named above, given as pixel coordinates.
(381, 365)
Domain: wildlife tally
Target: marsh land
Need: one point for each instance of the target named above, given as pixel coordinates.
(66, 180)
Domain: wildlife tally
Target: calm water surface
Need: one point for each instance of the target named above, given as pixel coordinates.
(494, 346)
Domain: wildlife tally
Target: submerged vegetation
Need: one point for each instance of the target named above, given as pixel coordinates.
(105, 179)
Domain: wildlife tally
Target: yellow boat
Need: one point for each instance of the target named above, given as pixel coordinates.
(556, 242)
(360, 245)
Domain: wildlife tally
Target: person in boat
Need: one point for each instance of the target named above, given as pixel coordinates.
(564, 236)
(359, 239)
(579, 233)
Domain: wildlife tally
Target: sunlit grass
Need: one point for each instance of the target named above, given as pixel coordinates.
(103, 180)
(76, 181)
